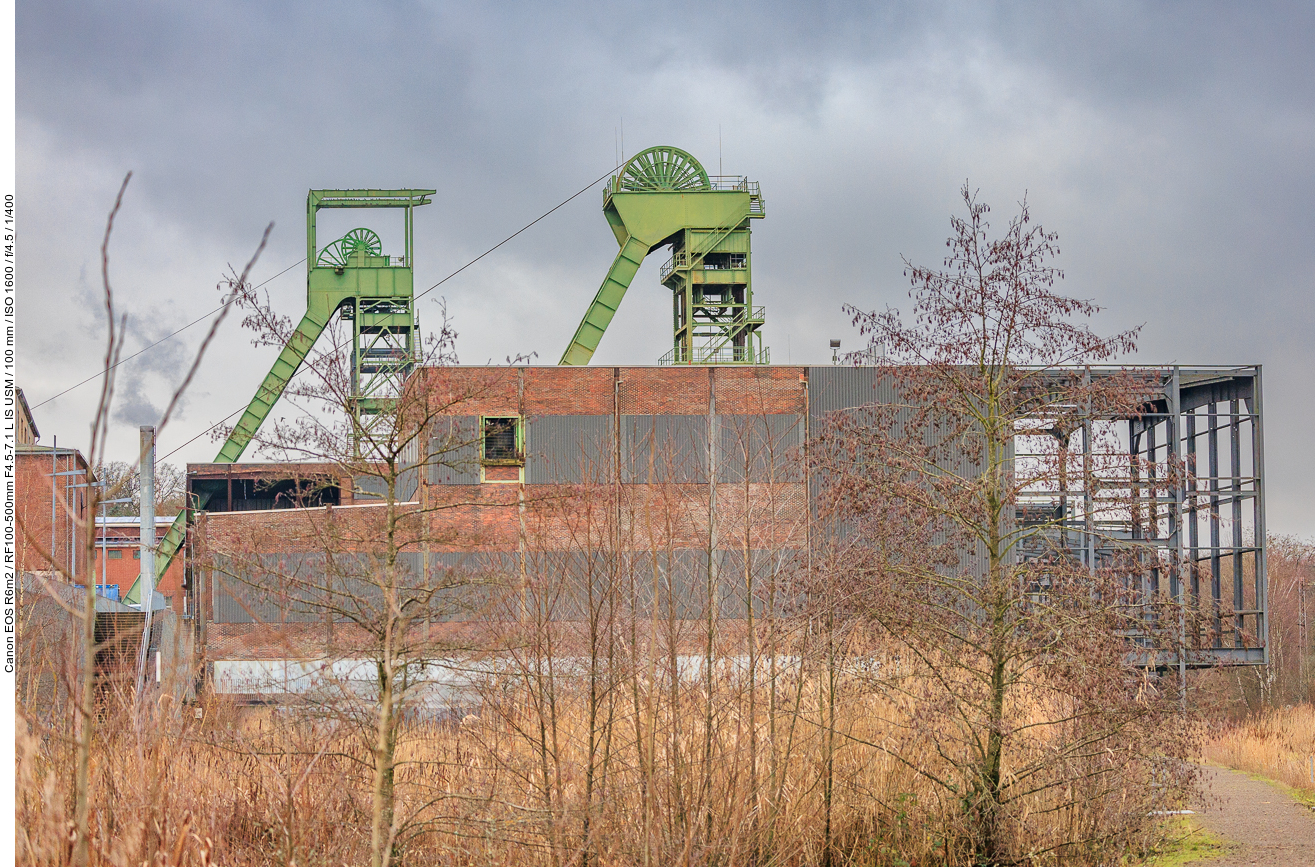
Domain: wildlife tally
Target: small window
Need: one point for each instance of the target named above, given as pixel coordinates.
(137, 554)
(115, 554)
(502, 441)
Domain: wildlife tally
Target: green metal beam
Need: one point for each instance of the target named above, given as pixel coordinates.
(285, 366)
(326, 289)
(600, 312)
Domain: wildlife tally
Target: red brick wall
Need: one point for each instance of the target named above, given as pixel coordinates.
(32, 508)
(501, 517)
(534, 391)
(568, 391)
(124, 570)
(760, 390)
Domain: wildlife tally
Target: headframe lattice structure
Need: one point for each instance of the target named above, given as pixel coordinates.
(662, 196)
(353, 278)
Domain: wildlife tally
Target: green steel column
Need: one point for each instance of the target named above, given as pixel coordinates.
(267, 395)
(600, 312)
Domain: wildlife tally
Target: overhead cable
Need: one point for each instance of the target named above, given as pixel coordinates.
(546, 213)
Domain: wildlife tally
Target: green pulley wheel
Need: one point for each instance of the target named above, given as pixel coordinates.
(336, 254)
(662, 169)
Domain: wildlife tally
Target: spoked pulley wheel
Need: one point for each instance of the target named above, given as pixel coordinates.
(662, 169)
(337, 253)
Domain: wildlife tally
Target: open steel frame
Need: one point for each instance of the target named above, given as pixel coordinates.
(1190, 500)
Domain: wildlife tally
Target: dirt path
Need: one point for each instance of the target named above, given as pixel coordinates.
(1265, 824)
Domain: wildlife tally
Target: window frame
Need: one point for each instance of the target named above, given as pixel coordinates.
(518, 428)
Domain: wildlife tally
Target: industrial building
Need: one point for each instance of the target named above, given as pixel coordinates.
(119, 558)
(696, 468)
(51, 500)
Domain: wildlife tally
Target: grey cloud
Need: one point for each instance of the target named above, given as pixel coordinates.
(1172, 145)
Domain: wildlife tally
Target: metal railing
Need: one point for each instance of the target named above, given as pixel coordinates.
(717, 355)
(731, 314)
(716, 183)
(681, 259)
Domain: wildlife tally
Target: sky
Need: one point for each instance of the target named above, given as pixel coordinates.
(1171, 145)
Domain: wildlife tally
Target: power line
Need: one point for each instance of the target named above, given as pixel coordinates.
(203, 433)
(546, 213)
(574, 195)
(205, 316)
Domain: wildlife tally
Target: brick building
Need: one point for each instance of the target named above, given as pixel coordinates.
(119, 562)
(688, 484)
(25, 427)
(51, 507)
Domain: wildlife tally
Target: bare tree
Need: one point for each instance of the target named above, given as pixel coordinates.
(170, 488)
(365, 574)
(87, 645)
(1010, 654)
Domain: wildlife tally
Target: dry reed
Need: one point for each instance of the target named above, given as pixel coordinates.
(1278, 744)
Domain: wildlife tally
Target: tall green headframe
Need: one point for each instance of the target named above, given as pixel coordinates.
(375, 292)
(353, 278)
(663, 197)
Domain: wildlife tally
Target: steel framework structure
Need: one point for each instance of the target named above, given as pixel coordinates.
(1191, 500)
(663, 196)
(351, 277)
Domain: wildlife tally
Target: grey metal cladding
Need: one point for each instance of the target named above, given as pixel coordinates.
(314, 587)
(369, 488)
(568, 449)
(307, 587)
(408, 483)
(453, 450)
(842, 387)
(767, 446)
(680, 580)
(271, 588)
(664, 449)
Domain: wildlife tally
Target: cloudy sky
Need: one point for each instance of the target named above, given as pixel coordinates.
(1171, 145)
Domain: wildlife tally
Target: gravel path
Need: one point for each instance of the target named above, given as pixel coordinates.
(1264, 824)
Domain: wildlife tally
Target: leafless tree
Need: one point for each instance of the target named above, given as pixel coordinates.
(170, 488)
(365, 573)
(87, 645)
(1011, 655)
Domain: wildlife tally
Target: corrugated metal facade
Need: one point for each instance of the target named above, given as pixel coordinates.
(453, 451)
(304, 588)
(768, 448)
(841, 387)
(569, 449)
(664, 449)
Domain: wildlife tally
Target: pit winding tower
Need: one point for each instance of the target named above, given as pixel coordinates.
(663, 197)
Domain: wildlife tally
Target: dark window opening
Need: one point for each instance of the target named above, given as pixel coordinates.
(248, 494)
(115, 555)
(500, 446)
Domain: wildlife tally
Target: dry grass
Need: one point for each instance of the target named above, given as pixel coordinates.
(1279, 744)
(507, 785)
